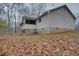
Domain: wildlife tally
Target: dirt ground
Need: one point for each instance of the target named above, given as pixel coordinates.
(51, 44)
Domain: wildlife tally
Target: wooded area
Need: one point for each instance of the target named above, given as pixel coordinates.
(11, 14)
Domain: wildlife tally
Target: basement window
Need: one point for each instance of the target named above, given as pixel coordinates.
(39, 19)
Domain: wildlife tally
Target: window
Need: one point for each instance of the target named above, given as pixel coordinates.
(39, 19)
(30, 22)
(27, 21)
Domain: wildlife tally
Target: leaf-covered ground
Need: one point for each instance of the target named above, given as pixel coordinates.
(52, 44)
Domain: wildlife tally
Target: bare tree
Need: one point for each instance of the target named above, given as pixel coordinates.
(37, 8)
(13, 12)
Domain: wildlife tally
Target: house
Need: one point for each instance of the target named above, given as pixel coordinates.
(60, 17)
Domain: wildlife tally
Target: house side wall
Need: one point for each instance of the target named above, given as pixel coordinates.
(28, 28)
(60, 18)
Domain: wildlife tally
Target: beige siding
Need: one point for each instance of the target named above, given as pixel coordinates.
(57, 19)
(28, 26)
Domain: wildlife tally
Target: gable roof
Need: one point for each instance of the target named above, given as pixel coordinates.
(49, 11)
